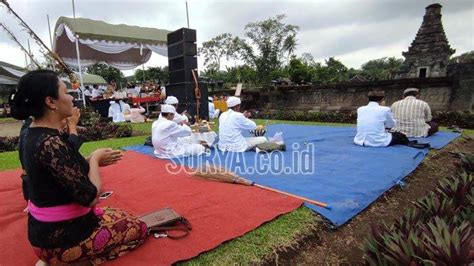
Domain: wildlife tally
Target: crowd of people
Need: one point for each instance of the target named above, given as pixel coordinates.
(171, 132)
(62, 187)
(119, 109)
(111, 91)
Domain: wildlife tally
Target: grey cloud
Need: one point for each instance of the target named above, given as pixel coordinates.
(372, 23)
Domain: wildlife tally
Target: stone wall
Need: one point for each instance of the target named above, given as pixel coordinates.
(442, 94)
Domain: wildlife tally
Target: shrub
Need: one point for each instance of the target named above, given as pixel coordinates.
(89, 117)
(460, 119)
(332, 117)
(449, 118)
(93, 132)
(9, 143)
(104, 130)
(123, 131)
(437, 230)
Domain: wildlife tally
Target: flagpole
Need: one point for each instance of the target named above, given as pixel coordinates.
(78, 54)
(187, 13)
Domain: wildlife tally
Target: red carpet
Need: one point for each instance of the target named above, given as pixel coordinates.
(217, 211)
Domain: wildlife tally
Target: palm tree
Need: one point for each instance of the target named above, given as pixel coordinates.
(289, 46)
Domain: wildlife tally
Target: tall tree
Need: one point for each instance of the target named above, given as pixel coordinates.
(333, 71)
(467, 57)
(290, 46)
(299, 71)
(160, 74)
(109, 73)
(223, 45)
(268, 44)
(308, 59)
(381, 68)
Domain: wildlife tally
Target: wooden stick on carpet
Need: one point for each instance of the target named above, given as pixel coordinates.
(221, 174)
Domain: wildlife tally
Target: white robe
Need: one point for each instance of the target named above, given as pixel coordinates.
(213, 112)
(125, 108)
(231, 125)
(96, 93)
(136, 115)
(164, 136)
(178, 118)
(116, 113)
(372, 120)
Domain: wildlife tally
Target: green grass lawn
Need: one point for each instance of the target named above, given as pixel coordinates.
(142, 127)
(7, 119)
(250, 248)
(9, 160)
(253, 247)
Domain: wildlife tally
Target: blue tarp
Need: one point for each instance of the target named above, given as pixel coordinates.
(323, 164)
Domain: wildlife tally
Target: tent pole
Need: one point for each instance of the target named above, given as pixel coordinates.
(78, 56)
(80, 71)
(50, 38)
(29, 51)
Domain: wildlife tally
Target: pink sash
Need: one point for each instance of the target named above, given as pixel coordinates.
(60, 213)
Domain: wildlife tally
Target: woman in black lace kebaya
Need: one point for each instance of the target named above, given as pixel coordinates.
(64, 226)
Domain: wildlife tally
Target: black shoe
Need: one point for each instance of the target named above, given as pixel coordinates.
(419, 145)
(412, 142)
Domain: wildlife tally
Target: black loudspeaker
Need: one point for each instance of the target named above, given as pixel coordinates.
(180, 76)
(183, 34)
(183, 62)
(182, 49)
(187, 101)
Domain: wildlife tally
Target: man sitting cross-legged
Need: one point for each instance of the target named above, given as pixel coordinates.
(372, 122)
(178, 118)
(231, 124)
(413, 116)
(165, 133)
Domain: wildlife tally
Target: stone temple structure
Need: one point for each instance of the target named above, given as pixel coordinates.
(429, 53)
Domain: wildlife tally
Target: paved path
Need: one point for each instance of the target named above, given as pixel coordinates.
(10, 129)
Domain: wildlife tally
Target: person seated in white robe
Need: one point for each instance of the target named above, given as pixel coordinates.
(136, 114)
(178, 118)
(165, 133)
(115, 112)
(213, 112)
(231, 124)
(125, 108)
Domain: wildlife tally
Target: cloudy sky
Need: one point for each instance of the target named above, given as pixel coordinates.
(352, 31)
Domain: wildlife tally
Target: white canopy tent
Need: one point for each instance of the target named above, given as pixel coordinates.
(122, 46)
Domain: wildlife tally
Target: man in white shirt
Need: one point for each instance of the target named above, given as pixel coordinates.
(231, 124)
(115, 112)
(372, 122)
(165, 133)
(213, 112)
(87, 91)
(96, 92)
(178, 118)
(413, 115)
(125, 108)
